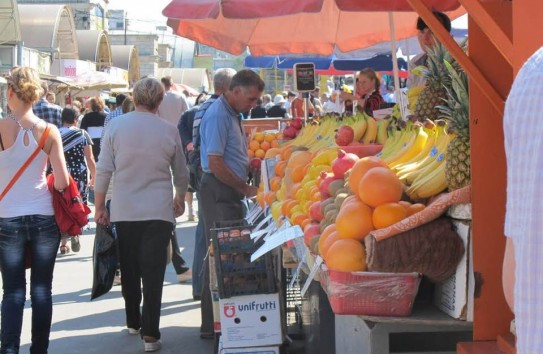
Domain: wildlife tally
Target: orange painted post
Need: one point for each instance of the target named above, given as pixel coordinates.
(528, 29)
(492, 316)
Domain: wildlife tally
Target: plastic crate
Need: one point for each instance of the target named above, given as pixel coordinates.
(370, 293)
(236, 274)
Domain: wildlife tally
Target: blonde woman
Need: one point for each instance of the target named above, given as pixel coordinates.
(26, 213)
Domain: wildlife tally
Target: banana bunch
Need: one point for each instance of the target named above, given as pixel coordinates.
(426, 176)
(370, 135)
(412, 146)
(399, 136)
(382, 130)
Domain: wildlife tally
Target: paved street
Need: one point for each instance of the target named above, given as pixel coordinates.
(84, 327)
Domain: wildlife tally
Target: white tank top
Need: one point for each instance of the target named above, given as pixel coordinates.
(29, 195)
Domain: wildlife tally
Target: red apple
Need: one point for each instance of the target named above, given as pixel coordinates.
(315, 211)
(344, 135)
(255, 163)
(297, 123)
(311, 230)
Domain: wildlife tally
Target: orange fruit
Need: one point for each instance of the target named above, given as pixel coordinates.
(405, 204)
(251, 153)
(285, 155)
(360, 168)
(254, 145)
(299, 158)
(415, 208)
(279, 136)
(275, 183)
(270, 198)
(272, 152)
(260, 153)
(324, 235)
(354, 221)
(298, 218)
(265, 145)
(274, 144)
(388, 214)
(287, 206)
(379, 186)
(325, 245)
(305, 223)
(279, 168)
(346, 256)
(260, 199)
(259, 137)
(298, 174)
(269, 137)
(295, 188)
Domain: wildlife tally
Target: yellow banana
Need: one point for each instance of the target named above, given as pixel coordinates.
(359, 128)
(435, 158)
(430, 185)
(412, 150)
(382, 130)
(371, 131)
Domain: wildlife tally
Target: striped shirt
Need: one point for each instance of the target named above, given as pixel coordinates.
(523, 131)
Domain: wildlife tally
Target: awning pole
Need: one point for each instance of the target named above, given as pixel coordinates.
(395, 61)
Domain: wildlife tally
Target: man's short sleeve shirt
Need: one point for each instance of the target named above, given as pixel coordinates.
(221, 134)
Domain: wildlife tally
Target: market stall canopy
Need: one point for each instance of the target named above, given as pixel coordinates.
(198, 79)
(9, 22)
(96, 80)
(324, 32)
(203, 9)
(126, 57)
(94, 46)
(285, 62)
(49, 28)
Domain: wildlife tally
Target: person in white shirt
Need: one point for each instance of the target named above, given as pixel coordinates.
(173, 105)
(524, 209)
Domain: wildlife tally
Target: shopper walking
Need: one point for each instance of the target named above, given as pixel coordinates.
(225, 161)
(77, 145)
(49, 112)
(142, 151)
(93, 122)
(27, 219)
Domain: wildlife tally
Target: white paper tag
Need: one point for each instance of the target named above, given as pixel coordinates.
(266, 232)
(276, 240)
(295, 275)
(259, 211)
(261, 224)
(314, 270)
(312, 274)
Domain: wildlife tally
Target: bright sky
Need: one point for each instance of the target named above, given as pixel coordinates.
(141, 10)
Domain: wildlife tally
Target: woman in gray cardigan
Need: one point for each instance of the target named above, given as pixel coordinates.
(143, 151)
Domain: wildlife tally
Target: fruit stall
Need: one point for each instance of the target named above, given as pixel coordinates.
(502, 35)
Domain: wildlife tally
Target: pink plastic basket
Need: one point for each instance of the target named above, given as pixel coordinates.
(369, 293)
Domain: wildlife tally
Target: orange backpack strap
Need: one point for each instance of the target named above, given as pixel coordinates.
(27, 162)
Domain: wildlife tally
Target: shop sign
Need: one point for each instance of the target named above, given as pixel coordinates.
(304, 77)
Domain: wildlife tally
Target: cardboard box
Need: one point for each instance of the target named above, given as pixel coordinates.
(249, 350)
(252, 320)
(454, 296)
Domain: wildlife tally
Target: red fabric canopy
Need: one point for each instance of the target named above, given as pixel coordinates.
(301, 33)
(204, 9)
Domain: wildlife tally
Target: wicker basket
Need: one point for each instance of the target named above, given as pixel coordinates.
(370, 294)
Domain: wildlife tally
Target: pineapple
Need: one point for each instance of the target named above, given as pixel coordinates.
(456, 112)
(437, 79)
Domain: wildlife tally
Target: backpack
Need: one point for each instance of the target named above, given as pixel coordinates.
(194, 158)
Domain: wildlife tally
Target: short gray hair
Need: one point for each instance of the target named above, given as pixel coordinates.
(222, 79)
(148, 93)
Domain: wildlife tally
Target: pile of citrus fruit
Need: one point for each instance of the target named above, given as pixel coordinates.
(261, 142)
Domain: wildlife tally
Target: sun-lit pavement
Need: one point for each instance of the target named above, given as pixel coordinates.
(81, 326)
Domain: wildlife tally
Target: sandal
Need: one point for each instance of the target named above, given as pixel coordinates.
(74, 242)
(64, 249)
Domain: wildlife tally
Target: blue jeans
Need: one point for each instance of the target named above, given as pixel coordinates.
(41, 234)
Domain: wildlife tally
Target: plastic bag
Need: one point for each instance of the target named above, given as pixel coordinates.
(105, 259)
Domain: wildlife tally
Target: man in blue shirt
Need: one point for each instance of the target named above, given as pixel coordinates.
(225, 162)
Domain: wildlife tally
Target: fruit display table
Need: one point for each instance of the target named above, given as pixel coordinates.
(262, 124)
(427, 330)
